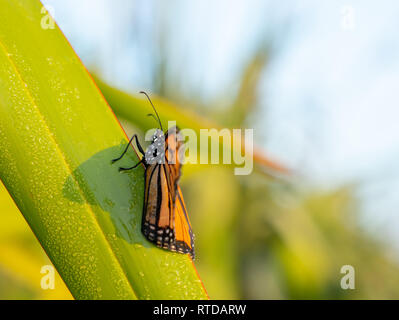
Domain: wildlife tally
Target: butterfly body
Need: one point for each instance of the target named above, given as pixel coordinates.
(165, 221)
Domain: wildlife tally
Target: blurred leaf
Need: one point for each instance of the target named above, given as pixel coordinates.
(304, 238)
(247, 99)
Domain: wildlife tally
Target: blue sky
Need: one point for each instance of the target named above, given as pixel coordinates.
(329, 102)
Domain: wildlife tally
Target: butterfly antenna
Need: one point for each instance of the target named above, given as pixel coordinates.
(159, 120)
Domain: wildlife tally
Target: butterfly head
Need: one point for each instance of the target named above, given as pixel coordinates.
(157, 136)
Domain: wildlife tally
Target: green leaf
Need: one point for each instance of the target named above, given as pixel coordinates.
(57, 138)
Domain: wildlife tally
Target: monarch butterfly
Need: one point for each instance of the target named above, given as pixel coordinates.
(165, 221)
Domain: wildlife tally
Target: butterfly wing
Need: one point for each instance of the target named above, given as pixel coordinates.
(165, 219)
(157, 224)
(183, 233)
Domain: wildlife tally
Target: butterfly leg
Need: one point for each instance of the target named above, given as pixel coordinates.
(124, 169)
(127, 146)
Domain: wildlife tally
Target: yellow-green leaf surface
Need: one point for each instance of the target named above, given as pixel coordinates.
(57, 138)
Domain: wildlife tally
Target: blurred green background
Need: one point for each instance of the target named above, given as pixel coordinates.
(275, 234)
